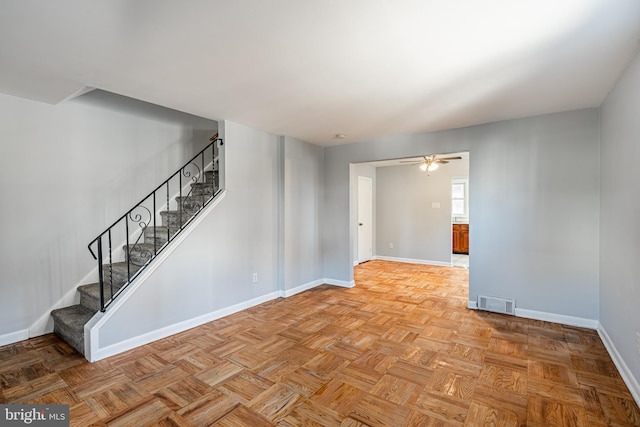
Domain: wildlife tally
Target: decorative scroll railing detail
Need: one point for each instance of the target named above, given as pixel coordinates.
(142, 222)
(187, 203)
(159, 217)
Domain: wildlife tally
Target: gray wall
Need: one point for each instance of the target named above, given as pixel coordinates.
(620, 210)
(303, 208)
(404, 212)
(66, 173)
(534, 207)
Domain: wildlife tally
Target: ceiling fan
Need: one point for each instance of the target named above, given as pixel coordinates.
(431, 163)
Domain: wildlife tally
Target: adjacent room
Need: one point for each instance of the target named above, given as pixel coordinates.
(416, 209)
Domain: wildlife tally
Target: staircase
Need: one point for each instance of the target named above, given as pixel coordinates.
(149, 239)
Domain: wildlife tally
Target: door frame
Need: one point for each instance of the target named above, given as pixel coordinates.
(365, 185)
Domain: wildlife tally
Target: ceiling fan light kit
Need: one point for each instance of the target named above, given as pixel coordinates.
(431, 163)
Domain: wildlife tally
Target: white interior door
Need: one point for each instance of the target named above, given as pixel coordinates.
(365, 219)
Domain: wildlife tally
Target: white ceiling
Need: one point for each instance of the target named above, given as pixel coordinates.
(315, 68)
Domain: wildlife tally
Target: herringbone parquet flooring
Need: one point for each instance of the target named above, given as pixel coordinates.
(399, 349)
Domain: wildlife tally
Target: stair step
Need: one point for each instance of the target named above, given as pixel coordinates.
(90, 295)
(139, 253)
(69, 324)
(160, 234)
(203, 188)
(174, 218)
(211, 177)
(119, 273)
(191, 204)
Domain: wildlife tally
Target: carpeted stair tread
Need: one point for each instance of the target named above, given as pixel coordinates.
(174, 212)
(90, 295)
(69, 324)
(211, 176)
(191, 204)
(199, 199)
(200, 188)
(161, 230)
(92, 289)
(118, 273)
(139, 245)
(160, 234)
(139, 253)
(202, 184)
(174, 217)
(74, 316)
(121, 267)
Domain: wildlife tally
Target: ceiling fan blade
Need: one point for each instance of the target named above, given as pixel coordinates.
(440, 161)
(450, 158)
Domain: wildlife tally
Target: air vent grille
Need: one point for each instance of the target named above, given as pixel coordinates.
(497, 305)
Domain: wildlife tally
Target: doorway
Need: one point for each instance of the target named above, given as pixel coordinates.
(460, 221)
(365, 219)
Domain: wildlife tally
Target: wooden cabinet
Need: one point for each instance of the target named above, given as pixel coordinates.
(460, 238)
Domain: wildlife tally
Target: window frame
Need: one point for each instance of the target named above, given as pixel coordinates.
(464, 181)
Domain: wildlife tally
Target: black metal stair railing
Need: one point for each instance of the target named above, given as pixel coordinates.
(174, 204)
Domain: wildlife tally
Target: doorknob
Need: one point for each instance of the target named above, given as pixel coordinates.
(360, 223)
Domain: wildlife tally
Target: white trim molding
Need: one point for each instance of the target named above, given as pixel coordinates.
(341, 283)
(413, 261)
(98, 353)
(548, 317)
(310, 285)
(557, 318)
(623, 368)
(304, 287)
(13, 337)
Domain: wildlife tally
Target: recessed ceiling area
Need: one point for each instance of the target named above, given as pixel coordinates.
(317, 69)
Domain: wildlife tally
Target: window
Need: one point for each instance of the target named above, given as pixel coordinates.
(459, 196)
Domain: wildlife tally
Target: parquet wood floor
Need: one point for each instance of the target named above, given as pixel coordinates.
(399, 349)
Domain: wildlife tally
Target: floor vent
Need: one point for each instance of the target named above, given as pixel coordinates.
(497, 305)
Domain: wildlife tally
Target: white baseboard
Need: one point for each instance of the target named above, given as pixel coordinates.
(13, 337)
(413, 261)
(557, 318)
(623, 368)
(548, 317)
(309, 285)
(98, 353)
(341, 283)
